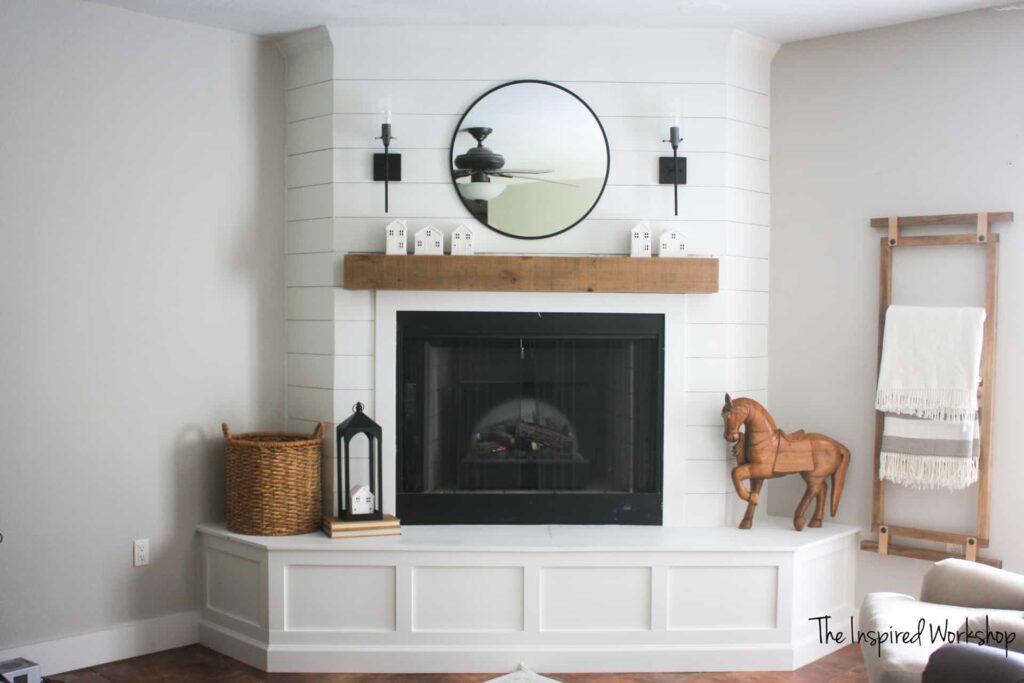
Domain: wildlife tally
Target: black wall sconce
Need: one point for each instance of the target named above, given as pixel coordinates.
(387, 166)
(672, 170)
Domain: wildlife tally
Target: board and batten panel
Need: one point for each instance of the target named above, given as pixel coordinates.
(595, 598)
(339, 598)
(474, 599)
(728, 597)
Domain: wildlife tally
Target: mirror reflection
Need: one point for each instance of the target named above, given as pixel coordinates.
(529, 159)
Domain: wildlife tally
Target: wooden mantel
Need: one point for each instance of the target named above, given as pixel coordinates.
(495, 273)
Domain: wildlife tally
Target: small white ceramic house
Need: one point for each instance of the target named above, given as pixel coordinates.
(462, 241)
(672, 243)
(429, 240)
(361, 500)
(640, 240)
(396, 238)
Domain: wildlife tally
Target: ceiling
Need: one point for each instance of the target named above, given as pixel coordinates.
(779, 20)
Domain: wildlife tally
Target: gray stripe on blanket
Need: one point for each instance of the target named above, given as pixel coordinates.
(940, 448)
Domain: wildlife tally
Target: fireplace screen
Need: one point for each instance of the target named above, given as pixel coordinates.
(512, 418)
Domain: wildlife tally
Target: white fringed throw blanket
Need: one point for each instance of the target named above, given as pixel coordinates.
(928, 389)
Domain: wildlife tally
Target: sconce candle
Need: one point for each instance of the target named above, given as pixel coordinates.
(673, 169)
(387, 166)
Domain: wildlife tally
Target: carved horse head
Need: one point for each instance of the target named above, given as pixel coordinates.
(734, 414)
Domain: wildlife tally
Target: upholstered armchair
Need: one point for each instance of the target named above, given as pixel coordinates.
(955, 594)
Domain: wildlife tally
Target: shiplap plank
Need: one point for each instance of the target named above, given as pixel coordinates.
(354, 372)
(309, 336)
(309, 270)
(591, 236)
(456, 96)
(309, 101)
(707, 309)
(354, 305)
(703, 409)
(707, 341)
(746, 173)
(749, 60)
(309, 303)
(707, 374)
(306, 203)
(746, 206)
(705, 509)
(742, 273)
(435, 131)
(315, 168)
(747, 106)
(439, 200)
(747, 341)
(308, 370)
(305, 236)
(707, 476)
(418, 131)
(581, 54)
(353, 337)
(747, 307)
(751, 373)
(310, 134)
(746, 139)
(747, 240)
(433, 166)
(308, 67)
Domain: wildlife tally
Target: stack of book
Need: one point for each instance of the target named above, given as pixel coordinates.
(339, 528)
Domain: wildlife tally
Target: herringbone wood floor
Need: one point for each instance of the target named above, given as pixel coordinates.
(197, 664)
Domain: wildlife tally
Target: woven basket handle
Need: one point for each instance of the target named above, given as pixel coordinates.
(318, 433)
(227, 430)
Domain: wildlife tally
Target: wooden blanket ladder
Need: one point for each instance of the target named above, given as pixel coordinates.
(981, 237)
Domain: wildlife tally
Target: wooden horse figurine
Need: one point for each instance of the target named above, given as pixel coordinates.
(763, 451)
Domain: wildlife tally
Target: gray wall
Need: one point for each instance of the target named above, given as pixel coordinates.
(920, 118)
(141, 272)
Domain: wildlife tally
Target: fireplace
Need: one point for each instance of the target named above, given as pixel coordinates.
(529, 418)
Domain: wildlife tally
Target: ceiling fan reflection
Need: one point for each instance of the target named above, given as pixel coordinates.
(481, 163)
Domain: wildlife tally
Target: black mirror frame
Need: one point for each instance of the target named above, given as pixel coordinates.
(607, 149)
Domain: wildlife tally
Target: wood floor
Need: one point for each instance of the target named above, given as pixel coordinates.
(197, 664)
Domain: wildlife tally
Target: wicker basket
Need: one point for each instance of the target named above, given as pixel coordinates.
(273, 482)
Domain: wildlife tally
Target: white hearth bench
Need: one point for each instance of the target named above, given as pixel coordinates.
(555, 598)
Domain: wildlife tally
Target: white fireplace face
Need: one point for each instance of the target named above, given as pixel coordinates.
(673, 307)
(341, 342)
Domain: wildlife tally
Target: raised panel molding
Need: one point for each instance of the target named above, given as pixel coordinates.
(595, 599)
(470, 599)
(339, 598)
(557, 598)
(233, 586)
(722, 597)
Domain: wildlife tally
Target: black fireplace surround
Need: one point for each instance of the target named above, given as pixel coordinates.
(529, 418)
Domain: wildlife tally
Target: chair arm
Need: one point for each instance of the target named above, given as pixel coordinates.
(970, 584)
(958, 662)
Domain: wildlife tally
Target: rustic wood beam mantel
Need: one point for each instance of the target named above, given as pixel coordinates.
(495, 273)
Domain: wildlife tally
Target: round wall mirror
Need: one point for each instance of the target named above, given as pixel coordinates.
(529, 159)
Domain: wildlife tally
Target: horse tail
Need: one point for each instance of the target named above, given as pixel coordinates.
(839, 477)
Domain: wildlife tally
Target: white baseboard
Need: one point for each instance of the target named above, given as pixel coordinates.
(110, 645)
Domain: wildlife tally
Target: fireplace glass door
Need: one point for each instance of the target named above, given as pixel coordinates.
(512, 418)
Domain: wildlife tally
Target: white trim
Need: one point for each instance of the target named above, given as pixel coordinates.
(132, 639)
(307, 626)
(672, 306)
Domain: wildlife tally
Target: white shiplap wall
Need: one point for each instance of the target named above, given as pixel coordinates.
(637, 81)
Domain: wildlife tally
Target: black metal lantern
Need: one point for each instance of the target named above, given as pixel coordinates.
(353, 504)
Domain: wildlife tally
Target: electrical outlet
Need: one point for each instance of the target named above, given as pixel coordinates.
(954, 549)
(141, 552)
